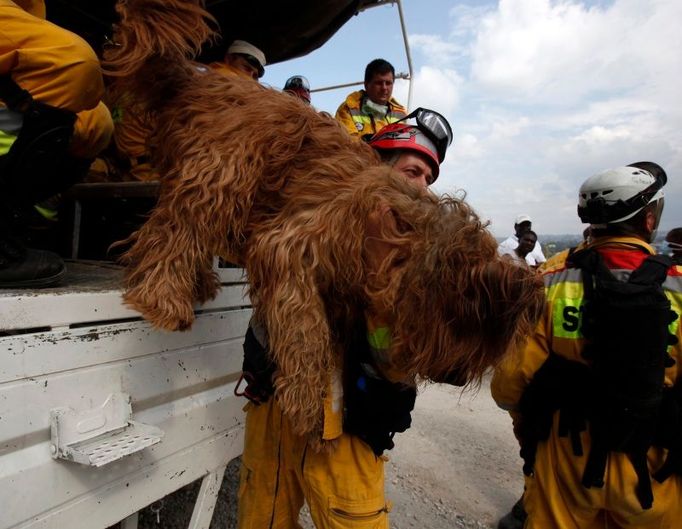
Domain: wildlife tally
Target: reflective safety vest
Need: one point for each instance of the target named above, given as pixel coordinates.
(621, 395)
(566, 291)
(359, 123)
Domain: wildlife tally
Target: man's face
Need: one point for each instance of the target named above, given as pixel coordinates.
(380, 88)
(526, 244)
(241, 62)
(522, 228)
(415, 168)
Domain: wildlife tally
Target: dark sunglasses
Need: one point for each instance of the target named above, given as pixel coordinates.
(253, 62)
(434, 126)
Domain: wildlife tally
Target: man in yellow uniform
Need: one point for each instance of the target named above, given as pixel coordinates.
(52, 124)
(243, 59)
(595, 394)
(366, 112)
(344, 483)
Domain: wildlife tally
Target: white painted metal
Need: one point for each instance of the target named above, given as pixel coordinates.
(88, 346)
(130, 522)
(206, 500)
(91, 294)
(100, 435)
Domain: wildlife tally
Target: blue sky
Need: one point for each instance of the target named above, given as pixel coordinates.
(541, 94)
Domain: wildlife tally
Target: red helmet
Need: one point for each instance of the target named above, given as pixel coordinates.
(408, 137)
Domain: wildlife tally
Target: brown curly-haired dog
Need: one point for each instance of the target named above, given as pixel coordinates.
(260, 178)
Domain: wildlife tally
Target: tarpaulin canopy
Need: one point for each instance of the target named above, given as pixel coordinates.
(283, 29)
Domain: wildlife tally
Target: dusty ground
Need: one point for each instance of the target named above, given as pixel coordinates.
(457, 467)
(458, 464)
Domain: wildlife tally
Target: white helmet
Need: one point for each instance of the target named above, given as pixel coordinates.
(619, 194)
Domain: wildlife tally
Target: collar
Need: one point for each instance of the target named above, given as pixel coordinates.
(625, 243)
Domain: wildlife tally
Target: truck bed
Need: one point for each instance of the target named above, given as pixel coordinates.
(74, 346)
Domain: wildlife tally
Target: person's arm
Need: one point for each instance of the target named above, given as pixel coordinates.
(343, 116)
(537, 254)
(516, 370)
(34, 7)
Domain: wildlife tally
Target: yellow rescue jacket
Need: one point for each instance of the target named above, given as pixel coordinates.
(359, 123)
(559, 329)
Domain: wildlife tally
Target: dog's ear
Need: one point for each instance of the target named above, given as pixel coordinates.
(456, 308)
(380, 238)
(469, 315)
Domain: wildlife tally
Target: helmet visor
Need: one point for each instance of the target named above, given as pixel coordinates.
(435, 127)
(659, 211)
(297, 81)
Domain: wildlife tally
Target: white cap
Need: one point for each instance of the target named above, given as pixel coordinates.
(246, 48)
(522, 218)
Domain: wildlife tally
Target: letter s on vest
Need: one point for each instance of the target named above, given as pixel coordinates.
(571, 318)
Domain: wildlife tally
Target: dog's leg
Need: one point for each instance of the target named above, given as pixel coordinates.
(287, 296)
(162, 270)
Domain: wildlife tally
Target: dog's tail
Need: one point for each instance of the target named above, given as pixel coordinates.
(152, 42)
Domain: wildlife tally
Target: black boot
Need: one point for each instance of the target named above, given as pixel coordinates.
(22, 267)
(515, 518)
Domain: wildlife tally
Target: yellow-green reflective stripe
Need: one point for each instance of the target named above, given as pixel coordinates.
(47, 213)
(675, 305)
(564, 289)
(567, 297)
(6, 141)
(380, 338)
(362, 118)
(567, 318)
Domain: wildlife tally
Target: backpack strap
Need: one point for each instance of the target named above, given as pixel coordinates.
(15, 97)
(653, 270)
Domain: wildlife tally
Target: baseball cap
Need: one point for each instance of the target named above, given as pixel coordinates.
(246, 48)
(523, 218)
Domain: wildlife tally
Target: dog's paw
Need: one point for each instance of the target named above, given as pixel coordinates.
(163, 314)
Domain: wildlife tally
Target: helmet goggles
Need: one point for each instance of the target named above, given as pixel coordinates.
(434, 126)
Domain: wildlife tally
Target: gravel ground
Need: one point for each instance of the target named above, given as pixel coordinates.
(457, 467)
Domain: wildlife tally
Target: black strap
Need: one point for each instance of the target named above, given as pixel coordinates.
(669, 434)
(593, 475)
(375, 408)
(643, 488)
(15, 97)
(654, 269)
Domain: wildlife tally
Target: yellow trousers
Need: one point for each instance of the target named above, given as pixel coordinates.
(58, 68)
(556, 499)
(344, 489)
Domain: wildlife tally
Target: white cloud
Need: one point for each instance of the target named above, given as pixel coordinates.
(603, 135)
(436, 88)
(557, 91)
(435, 50)
(508, 129)
(563, 50)
(466, 146)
